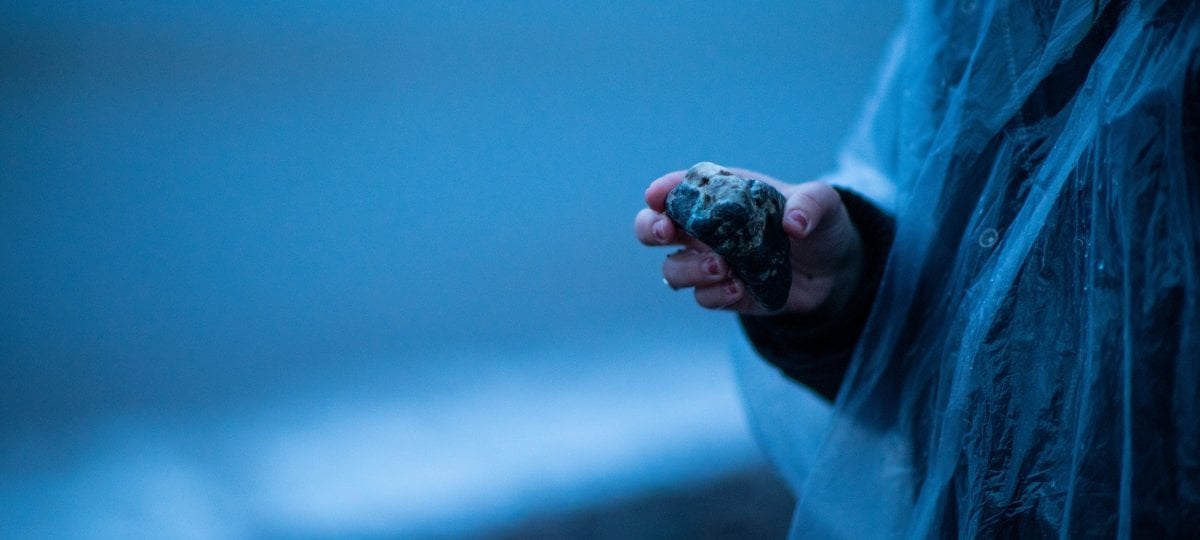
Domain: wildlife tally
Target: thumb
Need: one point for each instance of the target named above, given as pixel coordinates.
(826, 250)
(810, 206)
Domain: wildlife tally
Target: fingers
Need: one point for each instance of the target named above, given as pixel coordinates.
(715, 286)
(656, 194)
(694, 268)
(654, 229)
(728, 294)
(651, 226)
(808, 208)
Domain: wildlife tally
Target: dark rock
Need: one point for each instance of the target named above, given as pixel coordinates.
(742, 220)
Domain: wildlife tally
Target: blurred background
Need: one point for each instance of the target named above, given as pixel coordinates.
(343, 269)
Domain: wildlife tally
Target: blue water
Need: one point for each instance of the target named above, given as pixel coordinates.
(231, 229)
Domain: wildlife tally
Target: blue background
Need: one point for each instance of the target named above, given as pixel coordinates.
(228, 229)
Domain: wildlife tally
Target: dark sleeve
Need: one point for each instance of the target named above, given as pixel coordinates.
(814, 349)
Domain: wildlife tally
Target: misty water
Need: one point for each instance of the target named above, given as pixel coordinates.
(327, 270)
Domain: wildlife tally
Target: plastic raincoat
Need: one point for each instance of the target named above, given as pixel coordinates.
(1031, 362)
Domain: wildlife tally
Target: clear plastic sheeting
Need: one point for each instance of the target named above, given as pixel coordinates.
(785, 419)
(1032, 362)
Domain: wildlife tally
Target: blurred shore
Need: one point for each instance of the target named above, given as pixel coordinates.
(749, 503)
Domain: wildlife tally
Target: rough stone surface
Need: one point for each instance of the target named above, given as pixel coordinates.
(742, 220)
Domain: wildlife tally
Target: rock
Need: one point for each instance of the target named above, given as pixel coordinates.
(742, 220)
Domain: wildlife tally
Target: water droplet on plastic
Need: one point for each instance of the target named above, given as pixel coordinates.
(989, 237)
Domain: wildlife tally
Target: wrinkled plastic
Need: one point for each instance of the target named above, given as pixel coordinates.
(1031, 365)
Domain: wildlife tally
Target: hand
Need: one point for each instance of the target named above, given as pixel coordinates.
(826, 250)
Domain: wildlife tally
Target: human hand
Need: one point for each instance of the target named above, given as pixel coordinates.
(826, 250)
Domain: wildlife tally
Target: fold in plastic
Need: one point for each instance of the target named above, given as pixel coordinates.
(1031, 365)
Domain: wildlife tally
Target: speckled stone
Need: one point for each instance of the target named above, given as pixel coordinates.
(742, 220)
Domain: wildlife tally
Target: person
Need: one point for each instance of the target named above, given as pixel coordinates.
(999, 287)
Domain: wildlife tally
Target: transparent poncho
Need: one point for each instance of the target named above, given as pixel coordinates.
(1030, 368)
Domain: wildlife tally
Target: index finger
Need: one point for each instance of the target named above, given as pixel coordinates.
(656, 194)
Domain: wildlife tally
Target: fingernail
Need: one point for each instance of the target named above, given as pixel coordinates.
(710, 266)
(799, 219)
(660, 229)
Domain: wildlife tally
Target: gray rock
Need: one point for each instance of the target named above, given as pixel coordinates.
(742, 220)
